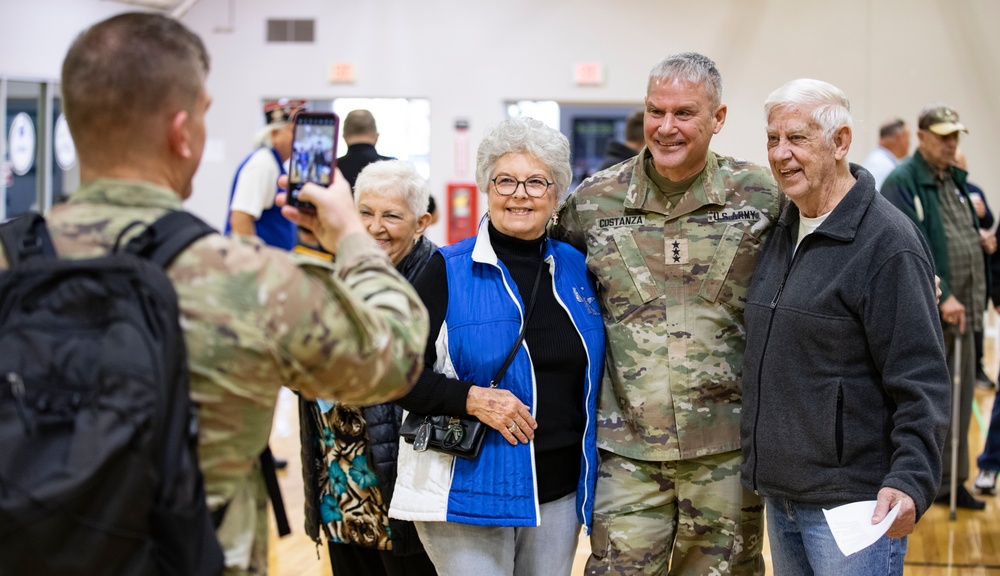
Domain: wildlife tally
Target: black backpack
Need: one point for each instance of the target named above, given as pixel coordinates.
(98, 435)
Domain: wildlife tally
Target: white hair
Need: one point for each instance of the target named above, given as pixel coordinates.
(525, 135)
(830, 107)
(394, 178)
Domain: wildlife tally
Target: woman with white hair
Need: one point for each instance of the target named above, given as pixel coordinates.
(518, 506)
(349, 462)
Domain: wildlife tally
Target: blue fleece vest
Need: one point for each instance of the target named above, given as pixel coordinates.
(273, 228)
(483, 320)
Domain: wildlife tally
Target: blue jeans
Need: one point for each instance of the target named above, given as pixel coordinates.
(802, 544)
(546, 550)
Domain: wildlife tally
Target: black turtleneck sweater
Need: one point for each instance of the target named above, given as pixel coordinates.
(557, 355)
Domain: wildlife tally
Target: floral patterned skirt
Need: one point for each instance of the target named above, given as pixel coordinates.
(351, 507)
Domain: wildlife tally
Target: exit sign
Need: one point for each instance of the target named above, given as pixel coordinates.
(589, 74)
(342, 73)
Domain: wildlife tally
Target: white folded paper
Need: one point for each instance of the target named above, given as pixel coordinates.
(852, 526)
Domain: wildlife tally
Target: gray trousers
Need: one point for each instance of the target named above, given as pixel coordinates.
(967, 372)
(546, 550)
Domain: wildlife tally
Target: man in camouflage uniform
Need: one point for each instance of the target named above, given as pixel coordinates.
(672, 236)
(253, 317)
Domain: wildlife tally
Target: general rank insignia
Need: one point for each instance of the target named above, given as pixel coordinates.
(676, 251)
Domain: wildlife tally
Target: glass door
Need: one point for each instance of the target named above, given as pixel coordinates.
(37, 157)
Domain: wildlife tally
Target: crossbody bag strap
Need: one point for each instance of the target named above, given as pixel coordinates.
(517, 343)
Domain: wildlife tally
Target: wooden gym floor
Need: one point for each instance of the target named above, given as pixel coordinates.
(969, 546)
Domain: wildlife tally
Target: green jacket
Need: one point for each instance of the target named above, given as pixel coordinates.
(911, 187)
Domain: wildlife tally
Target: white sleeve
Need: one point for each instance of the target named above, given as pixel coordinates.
(256, 184)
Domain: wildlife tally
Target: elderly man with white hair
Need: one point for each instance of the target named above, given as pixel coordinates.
(846, 392)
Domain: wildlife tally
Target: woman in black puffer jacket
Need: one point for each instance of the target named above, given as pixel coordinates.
(349, 453)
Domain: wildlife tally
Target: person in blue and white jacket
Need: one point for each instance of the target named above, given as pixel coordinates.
(517, 508)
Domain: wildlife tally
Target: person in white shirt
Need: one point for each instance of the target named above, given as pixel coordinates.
(893, 148)
(252, 211)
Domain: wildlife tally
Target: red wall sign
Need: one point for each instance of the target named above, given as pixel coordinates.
(462, 211)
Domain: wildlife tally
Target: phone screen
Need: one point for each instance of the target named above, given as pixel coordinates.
(314, 153)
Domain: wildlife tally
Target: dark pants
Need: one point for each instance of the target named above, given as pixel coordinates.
(348, 560)
(990, 458)
(979, 353)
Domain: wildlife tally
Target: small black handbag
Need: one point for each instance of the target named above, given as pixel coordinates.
(461, 437)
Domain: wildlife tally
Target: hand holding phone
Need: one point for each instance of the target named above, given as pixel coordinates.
(314, 153)
(334, 216)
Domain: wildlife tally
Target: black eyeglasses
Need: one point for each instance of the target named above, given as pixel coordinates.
(534, 186)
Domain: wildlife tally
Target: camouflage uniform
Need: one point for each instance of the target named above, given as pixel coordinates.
(256, 318)
(672, 283)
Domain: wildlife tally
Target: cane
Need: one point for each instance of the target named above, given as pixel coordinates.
(956, 401)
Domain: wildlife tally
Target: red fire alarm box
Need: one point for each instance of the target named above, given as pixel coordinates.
(461, 211)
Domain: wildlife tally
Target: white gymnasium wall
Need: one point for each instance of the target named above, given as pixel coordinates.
(35, 34)
(891, 57)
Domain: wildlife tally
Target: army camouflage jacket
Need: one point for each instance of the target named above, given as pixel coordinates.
(254, 319)
(672, 284)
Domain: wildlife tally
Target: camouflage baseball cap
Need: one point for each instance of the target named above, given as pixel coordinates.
(941, 120)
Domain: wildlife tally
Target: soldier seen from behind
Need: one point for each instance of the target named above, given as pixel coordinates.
(254, 318)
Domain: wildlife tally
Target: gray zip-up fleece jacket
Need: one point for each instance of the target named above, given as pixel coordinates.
(845, 385)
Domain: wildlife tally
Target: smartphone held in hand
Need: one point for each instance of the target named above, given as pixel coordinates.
(314, 153)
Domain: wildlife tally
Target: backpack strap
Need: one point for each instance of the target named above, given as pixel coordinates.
(26, 237)
(164, 239)
(269, 470)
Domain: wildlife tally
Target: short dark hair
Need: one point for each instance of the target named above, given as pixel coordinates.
(359, 122)
(891, 128)
(121, 72)
(633, 127)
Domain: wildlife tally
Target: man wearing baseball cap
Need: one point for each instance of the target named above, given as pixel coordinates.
(252, 211)
(933, 193)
